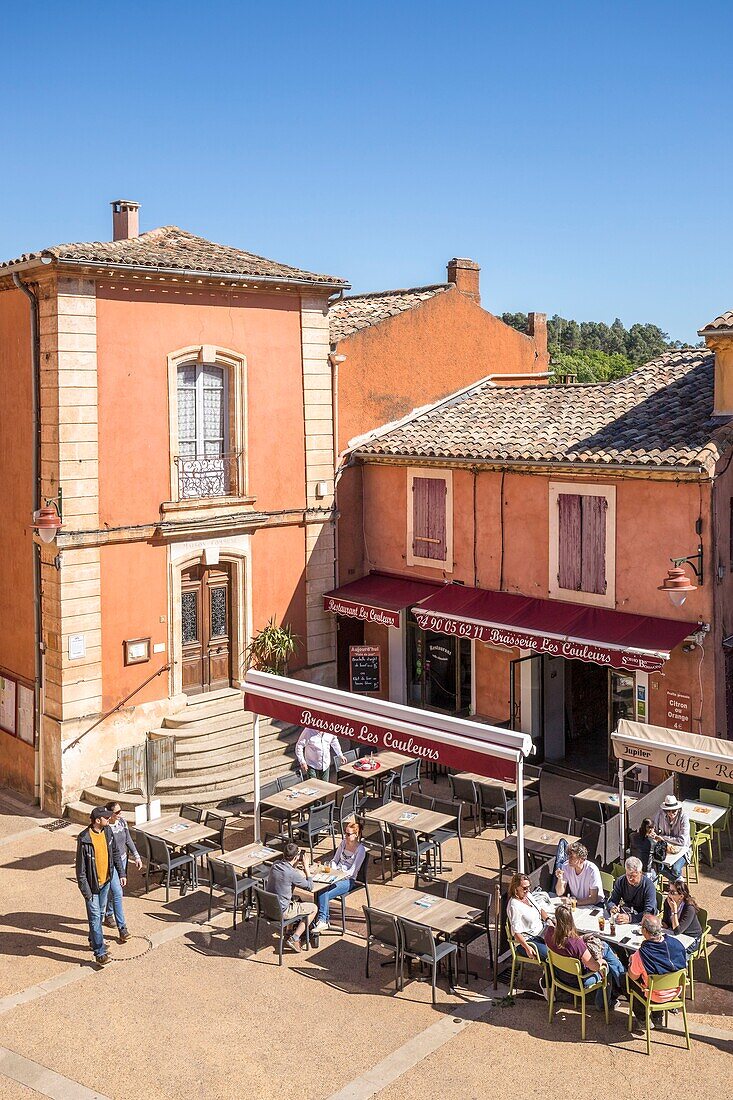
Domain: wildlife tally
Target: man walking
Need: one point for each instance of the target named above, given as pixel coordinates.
(96, 857)
(114, 915)
(313, 751)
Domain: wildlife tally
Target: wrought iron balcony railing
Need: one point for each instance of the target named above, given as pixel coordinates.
(208, 476)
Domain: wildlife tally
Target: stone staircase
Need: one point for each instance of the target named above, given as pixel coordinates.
(214, 757)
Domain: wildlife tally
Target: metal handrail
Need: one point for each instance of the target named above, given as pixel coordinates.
(117, 706)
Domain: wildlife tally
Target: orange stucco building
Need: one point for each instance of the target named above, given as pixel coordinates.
(181, 392)
(541, 522)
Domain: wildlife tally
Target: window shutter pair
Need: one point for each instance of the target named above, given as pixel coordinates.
(582, 543)
(429, 518)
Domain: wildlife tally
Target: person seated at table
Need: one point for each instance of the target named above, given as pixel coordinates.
(658, 954)
(679, 914)
(526, 919)
(348, 860)
(565, 939)
(672, 825)
(292, 870)
(641, 845)
(579, 878)
(633, 894)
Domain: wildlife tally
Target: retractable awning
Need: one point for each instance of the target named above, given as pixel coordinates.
(378, 597)
(674, 750)
(596, 635)
(375, 723)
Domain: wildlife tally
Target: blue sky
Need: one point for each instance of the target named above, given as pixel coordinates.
(580, 152)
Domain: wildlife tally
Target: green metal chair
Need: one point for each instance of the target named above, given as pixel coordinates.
(658, 983)
(701, 836)
(567, 974)
(607, 881)
(520, 961)
(715, 797)
(700, 953)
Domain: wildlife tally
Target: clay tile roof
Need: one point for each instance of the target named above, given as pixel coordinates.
(360, 311)
(725, 321)
(660, 415)
(172, 248)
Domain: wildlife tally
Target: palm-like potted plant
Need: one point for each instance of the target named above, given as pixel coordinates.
(271, 648)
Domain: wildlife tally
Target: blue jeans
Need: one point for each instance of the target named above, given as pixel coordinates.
(345, 886)
(95, 910)
(538, 942)
(616, 975)
(561, 858)
(114, 899)
(677, 870)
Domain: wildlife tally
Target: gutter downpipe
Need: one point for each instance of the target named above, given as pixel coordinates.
(335, 361)
(38, 648)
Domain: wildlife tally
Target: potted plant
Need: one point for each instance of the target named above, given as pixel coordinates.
(271, 648)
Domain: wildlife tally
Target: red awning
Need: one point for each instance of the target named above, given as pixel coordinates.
(593, 634)
(378, 597)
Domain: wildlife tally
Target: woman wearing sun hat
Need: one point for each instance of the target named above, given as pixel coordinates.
(673, 826)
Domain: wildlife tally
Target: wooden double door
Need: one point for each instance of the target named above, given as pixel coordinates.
(206, 603)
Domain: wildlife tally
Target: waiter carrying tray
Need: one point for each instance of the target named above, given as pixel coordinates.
(314, 751)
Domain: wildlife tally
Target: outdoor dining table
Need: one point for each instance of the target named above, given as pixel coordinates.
(528, 783)
(627, 936)
(439, 914)
(406, 816)
(542, 841)
(299, 797)
(606, 796)
(388, 762)
(250, 855)
(702, 813)
(178, 831)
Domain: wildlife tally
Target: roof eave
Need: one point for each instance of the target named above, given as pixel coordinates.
(190, 272)
(694, 470)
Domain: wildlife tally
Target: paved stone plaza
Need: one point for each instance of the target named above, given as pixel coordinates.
(187, 1009)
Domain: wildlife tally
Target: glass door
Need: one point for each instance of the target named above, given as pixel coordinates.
(438, 671)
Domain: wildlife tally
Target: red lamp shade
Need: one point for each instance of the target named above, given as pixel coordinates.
(677, 585)
(47, 522)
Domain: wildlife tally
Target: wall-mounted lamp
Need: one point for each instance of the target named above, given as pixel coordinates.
(677, 584)
(48, 520)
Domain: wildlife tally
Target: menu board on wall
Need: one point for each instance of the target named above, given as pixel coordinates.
(365, 668)
(7, 704)
(679, 711)
(26, 730)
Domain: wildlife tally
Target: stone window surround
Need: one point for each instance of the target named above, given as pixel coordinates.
(235, 367)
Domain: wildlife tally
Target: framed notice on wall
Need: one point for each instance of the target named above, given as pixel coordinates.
(7, 704)
(365, 669)
(26, 708)
(679, 711)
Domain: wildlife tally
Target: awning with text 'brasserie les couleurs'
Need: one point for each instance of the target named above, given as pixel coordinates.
(597, 635)
(378, 597)
(377, 724)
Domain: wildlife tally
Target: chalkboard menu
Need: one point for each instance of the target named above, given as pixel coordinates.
(365, 668)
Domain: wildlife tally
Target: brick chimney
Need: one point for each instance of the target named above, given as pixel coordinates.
(465, 275)
(125, 220)
(718, 336)
(537, 329)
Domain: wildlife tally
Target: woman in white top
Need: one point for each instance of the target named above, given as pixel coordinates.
(348, 859)
(526, 919)
(579, 878)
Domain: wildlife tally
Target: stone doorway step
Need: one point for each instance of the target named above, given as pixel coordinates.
(214, 757)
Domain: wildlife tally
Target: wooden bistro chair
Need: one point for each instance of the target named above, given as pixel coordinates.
(658, 982)
(567, 974)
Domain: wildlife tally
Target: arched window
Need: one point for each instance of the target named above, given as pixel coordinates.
(205, 467)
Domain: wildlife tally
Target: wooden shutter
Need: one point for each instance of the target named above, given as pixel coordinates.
(428, 518)
(569, 572)
(593, 545)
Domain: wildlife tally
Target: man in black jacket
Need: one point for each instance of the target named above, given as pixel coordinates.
(96, 856)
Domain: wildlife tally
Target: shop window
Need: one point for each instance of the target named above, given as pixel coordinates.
(429, 520)
(582, 543)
